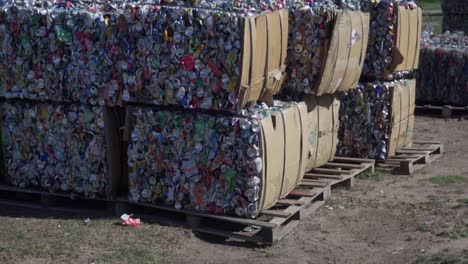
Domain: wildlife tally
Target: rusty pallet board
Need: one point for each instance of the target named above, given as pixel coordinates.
(443, 111)
(414, 157)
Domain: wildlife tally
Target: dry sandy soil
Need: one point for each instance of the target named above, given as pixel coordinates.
(421, 218)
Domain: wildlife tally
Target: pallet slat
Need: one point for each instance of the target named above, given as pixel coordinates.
(325, 170)
(342, 165)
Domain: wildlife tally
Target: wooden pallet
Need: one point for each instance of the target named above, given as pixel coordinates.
(269, 227)
(444, 111)
(340, 171)
(273, 224)
(414, 157)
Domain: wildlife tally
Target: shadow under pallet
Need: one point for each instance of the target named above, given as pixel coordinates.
(412, 158)
(269, 227)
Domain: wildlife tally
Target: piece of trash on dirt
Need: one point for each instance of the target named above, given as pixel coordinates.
(341, 207)
(87, 221)
(251, 228)
(328, 207)
(128, 220)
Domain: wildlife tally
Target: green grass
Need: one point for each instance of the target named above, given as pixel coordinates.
(463, 202)
(430, 4)
(268, 252)
(377, 175)
(139, 255)
(445, 180)
(71, 241)
(441, 259)
(454, 235)
(434, 21)
(437, 198)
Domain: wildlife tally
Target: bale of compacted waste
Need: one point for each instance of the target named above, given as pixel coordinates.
(326, 49)
(442, 77)
(105, 54)
(376, 119)
(72, 149)
(215, 163)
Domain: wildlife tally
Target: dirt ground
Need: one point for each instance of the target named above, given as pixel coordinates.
(421, 218)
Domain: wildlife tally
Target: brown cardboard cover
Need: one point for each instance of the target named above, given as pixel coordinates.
(408, 38)
(259, 56)
(359, 33)
(418, 39)
(322, 129)
(409, 131)
(400, 50)
(273, 144)
(273, 70)
(343, 52)
(246, 62)
(312, 128)
(395, 95)
(411, 84)
(262, 58)
(393, 141)
(292, 149)
(413, 33)
(302, 108)
(405, 100)
(345, 55)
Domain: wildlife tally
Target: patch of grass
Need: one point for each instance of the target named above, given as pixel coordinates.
(138, 255)
(20, 236)
(268, 252)
(434, 21)
(454, 235)
(444, 180)
(423, 227)
(430, 4)
(461, 203)
(377, 175)
(74, 242)
(440, 259)
(437, 198)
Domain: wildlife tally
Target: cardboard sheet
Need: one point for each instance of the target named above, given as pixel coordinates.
(408, 38)
(322, 120)
(273, 164)
(263, 56)
(346, 52)
(292, 149)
